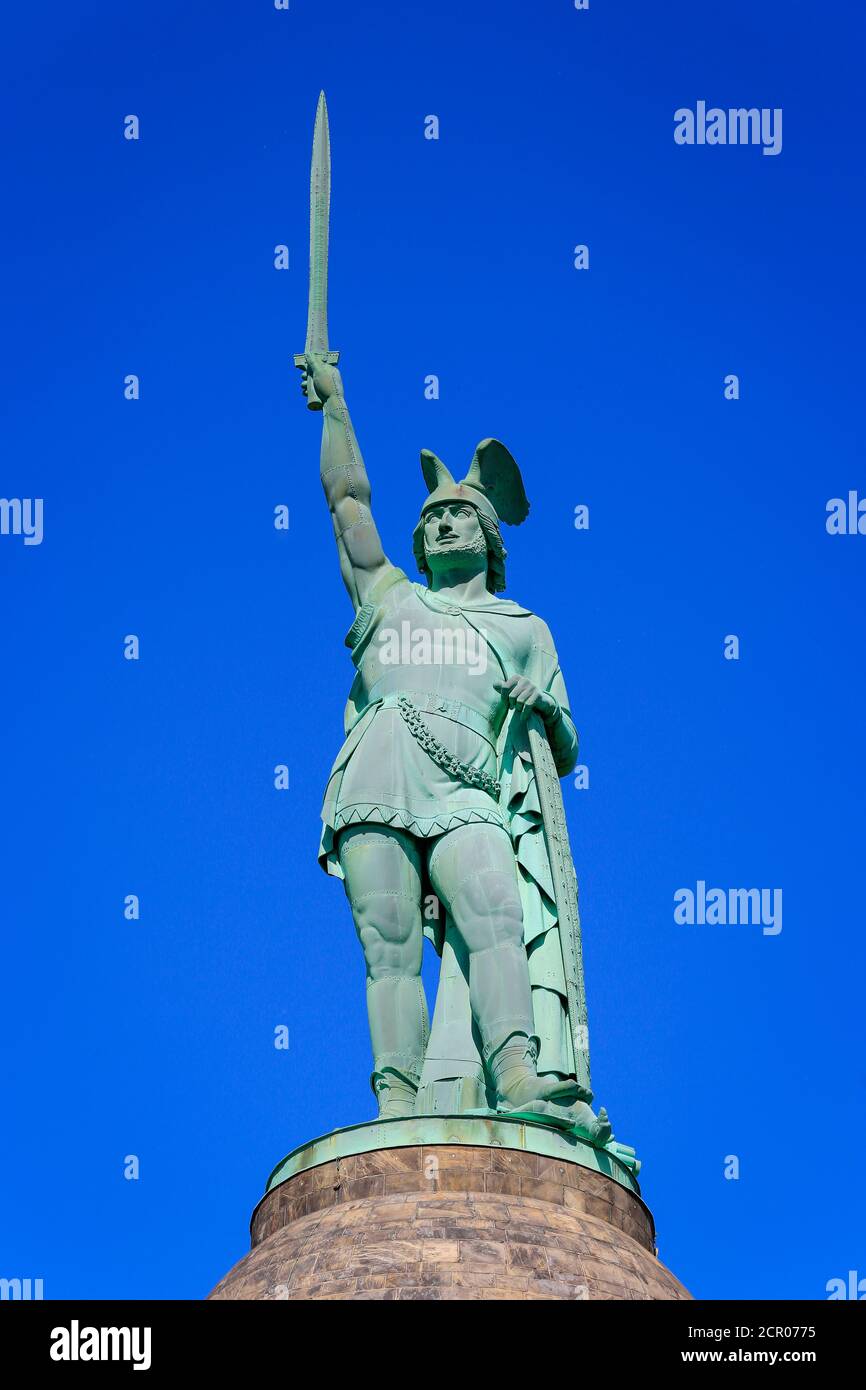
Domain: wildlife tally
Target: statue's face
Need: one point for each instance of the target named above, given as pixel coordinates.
(453, 537)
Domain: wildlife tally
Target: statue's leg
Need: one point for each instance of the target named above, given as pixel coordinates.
(473, 870)
(382, 875)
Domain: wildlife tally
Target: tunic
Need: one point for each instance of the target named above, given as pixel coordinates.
(446, 657)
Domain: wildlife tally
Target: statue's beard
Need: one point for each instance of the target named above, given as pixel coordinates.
(451, 556)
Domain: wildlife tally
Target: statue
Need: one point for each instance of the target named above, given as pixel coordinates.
(446, 789)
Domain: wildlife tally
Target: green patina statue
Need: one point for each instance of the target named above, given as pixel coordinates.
(443, 813)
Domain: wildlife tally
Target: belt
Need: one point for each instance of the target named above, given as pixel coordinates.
(426, 739)
(457, 710)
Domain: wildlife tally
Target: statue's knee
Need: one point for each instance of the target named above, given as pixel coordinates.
(491, 899)
(393, 916)
(509, 926)
(387, 969)
(390, 947)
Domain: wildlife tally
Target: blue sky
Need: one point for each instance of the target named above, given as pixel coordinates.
(707, 518)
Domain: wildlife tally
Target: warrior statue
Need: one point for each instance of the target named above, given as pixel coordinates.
(442, 813)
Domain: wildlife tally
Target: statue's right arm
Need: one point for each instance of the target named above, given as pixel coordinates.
(347, 489)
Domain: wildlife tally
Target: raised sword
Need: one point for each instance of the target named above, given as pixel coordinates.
(320, 206)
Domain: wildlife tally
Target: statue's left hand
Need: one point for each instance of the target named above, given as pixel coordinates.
(524, 697)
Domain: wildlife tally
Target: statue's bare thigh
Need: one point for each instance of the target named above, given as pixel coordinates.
(382, 876)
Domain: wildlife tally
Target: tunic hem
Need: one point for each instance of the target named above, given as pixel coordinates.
(424, 827)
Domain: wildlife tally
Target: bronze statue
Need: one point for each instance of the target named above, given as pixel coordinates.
(443, 813)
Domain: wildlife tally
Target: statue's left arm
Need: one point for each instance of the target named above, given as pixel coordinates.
(562, 734)
(548, 698)
(552, 706)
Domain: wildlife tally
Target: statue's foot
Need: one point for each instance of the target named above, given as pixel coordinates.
(576, 1116)
(532, 1088)
(516, 1080)
(537, 1088)
(566, 1089)
(395, 1093)
(395, 1110)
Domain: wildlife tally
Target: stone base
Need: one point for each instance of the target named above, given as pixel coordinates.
(450, 1220)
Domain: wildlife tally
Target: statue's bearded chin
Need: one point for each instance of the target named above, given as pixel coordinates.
(450, 556)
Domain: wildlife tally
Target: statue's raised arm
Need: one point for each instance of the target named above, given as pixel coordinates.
(346, 484)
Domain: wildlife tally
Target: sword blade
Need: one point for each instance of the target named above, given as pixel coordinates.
(320, 206)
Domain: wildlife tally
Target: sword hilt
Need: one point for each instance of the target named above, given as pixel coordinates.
(330, 359)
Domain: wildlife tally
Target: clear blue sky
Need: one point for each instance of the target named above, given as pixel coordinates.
(707, 517)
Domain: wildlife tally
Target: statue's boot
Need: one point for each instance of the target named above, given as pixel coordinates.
(512, 1067)
(520, 1089)
(501, 999)
(502, 1006)
(399, 1029)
